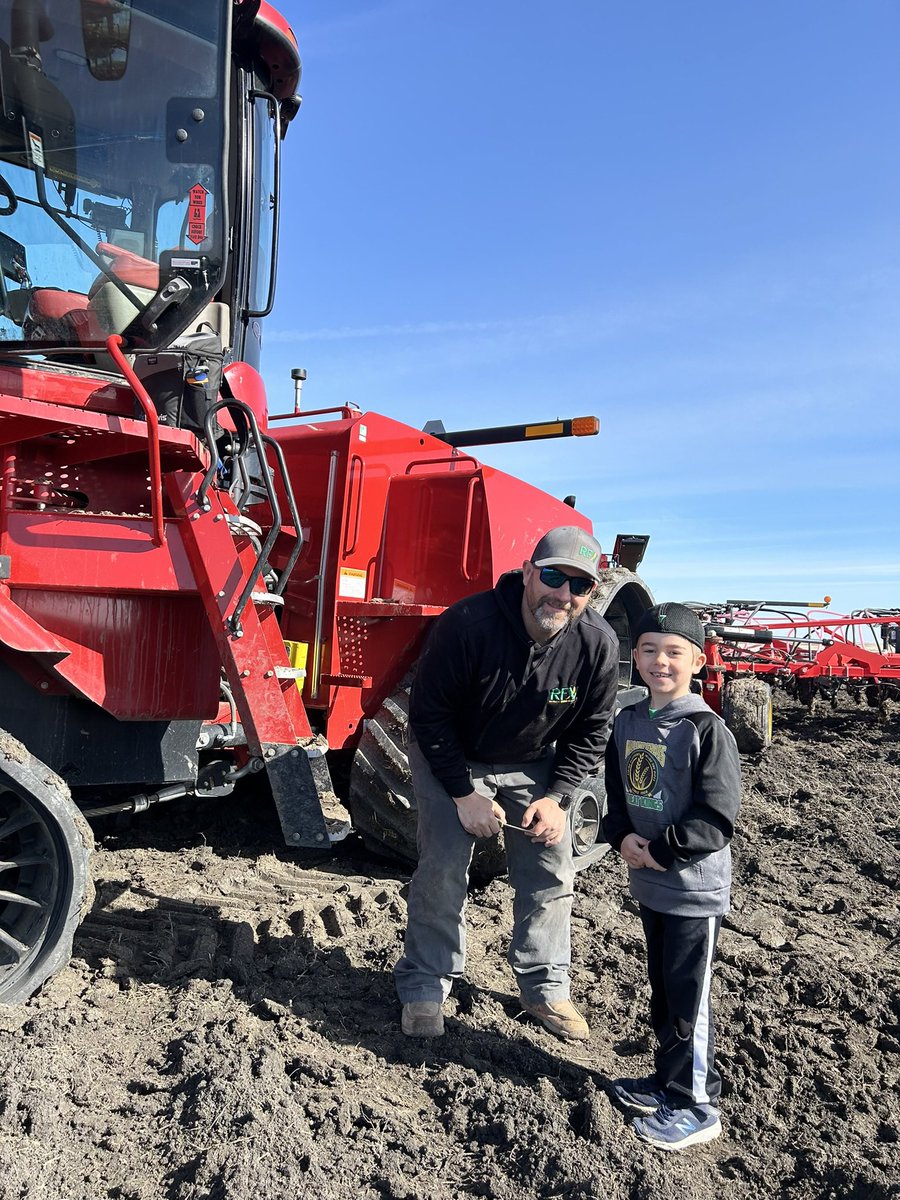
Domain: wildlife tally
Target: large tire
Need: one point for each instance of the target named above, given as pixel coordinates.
(45, 884)
(381, 799)
(622, 598)
(747, 711)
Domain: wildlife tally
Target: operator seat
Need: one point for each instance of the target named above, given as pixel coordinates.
(54, 315)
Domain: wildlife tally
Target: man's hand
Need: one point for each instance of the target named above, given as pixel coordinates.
(478, 815)
(545, 821)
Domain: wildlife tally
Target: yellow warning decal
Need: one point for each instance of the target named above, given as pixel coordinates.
(352, 584)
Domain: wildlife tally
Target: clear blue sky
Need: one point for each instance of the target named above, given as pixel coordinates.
(682, 217)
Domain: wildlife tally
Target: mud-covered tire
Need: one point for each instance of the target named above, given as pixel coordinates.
(381, 799)
(622, 598)
(45, 882)
(747, 711)
(585, 823)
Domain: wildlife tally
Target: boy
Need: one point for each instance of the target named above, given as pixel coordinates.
(673, 790)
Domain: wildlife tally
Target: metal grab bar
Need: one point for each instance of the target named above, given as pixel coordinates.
(245, 414)
(295, 515)
(113, 342)
(346, 410)
(451, 459)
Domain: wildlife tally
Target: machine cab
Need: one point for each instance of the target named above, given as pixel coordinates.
(139, 173)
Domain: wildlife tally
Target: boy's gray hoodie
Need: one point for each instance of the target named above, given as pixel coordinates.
(674, 778)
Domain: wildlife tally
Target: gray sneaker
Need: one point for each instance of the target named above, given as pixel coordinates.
(677, 1128)
(422, 1018)
(640, 1095)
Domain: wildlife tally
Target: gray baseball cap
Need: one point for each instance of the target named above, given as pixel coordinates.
(569, 546)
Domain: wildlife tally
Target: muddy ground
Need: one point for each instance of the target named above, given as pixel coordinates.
(228, 1028)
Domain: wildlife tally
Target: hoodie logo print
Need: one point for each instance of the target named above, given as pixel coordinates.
(562, 695)
(643, 764)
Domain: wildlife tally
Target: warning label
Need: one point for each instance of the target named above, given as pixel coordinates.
(196, 227)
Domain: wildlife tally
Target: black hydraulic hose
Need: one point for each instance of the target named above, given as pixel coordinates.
(139, 803)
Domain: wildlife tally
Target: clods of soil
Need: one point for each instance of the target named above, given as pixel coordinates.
(227, 1028)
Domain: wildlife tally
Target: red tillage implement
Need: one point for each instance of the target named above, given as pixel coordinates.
(813, 655)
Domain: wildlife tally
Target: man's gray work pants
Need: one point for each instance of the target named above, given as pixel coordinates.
(541, 876)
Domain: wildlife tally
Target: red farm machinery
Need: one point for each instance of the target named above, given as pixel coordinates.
(811, 652)
(193, 592)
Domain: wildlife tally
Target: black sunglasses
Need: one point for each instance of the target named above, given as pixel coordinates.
(554, 578)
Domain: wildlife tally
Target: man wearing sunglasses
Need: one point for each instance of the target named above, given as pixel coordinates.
(510, 711)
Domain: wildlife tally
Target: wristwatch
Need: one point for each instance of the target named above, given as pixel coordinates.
(564, 802)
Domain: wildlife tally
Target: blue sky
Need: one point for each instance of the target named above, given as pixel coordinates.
(682, 217)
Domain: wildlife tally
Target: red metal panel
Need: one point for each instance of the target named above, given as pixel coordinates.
(84, 552)
(139, 657)
(20, 633)
(413, 522)
(56, 386)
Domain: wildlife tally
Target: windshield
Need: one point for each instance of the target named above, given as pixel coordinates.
(111, 169)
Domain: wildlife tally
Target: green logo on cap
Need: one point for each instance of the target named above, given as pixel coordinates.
(587, 552)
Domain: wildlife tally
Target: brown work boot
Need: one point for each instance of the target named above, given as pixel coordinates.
(560, 1017)
(422, 1018)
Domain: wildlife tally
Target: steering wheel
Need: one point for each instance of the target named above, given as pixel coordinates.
(7, 194)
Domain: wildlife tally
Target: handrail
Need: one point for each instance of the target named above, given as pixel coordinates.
(434, 462)
(346, 410)
(238, 407)
(285, 575)
(467, 530)
(356, 511)
(113, 342)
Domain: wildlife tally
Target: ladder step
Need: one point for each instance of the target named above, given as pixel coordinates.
(267, 598)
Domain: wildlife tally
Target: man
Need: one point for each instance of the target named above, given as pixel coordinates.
(510, 711)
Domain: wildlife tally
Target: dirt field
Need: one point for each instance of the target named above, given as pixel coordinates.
(228, 1027)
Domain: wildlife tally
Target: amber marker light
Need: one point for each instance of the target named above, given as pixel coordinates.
(585, 426)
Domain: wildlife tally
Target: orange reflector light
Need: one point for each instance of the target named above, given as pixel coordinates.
(550, 430)
(585, 426)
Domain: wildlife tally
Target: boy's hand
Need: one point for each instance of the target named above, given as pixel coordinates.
(650, 861)
(632, 849)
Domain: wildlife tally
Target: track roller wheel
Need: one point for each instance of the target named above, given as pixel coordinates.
(45, 885)
(747, 711)
(585, 819)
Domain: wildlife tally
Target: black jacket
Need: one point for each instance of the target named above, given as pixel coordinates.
(485, 692)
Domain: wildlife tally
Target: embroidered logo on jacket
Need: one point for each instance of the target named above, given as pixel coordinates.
(562, 695)
(643, 763)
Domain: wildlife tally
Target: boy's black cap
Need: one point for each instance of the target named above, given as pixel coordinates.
(672, 618)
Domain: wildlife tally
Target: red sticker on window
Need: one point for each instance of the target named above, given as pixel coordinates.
(196, 228)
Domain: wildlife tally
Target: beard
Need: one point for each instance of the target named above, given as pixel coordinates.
(552, 620)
